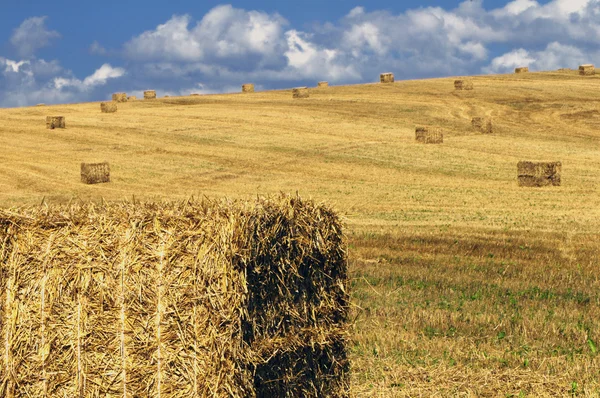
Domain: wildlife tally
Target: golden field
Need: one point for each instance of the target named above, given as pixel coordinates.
(463, 283)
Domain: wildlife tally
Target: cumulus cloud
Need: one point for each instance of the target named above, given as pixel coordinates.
(32, 35)
(98, 78)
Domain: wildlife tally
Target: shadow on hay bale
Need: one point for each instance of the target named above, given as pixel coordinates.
(522, 69)
(300, 92)
(108, 107)
(386, 77)
(587, 70)
(119, 97)
(323, 84)
(463, 84)
(149, 94)
(482, 124)
(247, 88)
(429, 135)
(95, 173)
(198, 298)
(539, 174)
(55, 122)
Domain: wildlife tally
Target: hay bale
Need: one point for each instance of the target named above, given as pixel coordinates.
(149, 94)
(119, 97)
(300, 92)
(482, 124)
(248, 88)
(191, 299)
(539, 174)
(522, 69)
(108, 107)
(194, 95)
(323, 84)
(463, 84)
(42, 104)
(429, 135)
(55, 122)
(587, 70)
(95, 173)
(386, 77)
(131, 98)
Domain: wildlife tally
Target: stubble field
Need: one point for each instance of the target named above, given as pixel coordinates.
(463, 283)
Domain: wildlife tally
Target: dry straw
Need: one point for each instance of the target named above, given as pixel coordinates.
(195, 95)
(108, 107)
(150, 94)
(463, 84)
(386, 77)
(539, 174)
(132, 98)
(323, 84)
(523, 69)
(247, 88)
(300, 92)
(55, 122)
(194, 299)
(587, 70)
(119, 97)
(482, 124)
(95, 173)
(429, 135)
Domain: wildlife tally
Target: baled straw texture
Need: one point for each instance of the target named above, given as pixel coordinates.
(463, 84)
(195, 299)
(119, 97)
(95, 173)
(55, 122)
(482, 124)
(131, 98)
(386, 77)
(523, 69)
(429, 135)
(323, 84)
(300, 92)
(539, 174)
(587, 70)
(149, 94)
(247, 88)
(108, 107)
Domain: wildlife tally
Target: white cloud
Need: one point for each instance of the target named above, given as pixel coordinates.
(32, 35)
(508, 62)
(98, 78)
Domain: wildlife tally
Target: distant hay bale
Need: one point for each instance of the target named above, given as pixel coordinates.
(55, 122)
(150, 94)
(132, 98)
(189, 299)
(463, 84)
(482, 124)
(387, 77)
(167, 96)
(522, 69)
(108, 107)
(300, 92)
(40, 104)
(323, 84)
(119, 97)
(248, 88)
(194, 95)
(539, 174)
(587, 70)
(95, 173)
(429, 135)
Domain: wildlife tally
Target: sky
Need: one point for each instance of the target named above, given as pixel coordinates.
(65, 51)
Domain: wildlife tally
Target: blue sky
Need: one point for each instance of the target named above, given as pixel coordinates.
(69, 51)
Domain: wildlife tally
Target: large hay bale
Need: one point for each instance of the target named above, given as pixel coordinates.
(194, 95)
(463, 84)
(429, 135)
(539, 174)
(108, 107)
(323, 84)
(191, 299)
(247, 88)
(522, 69)
(119, 97)
(131, 98)
(300, 92)
(55, 122)
(482, 124)
(386, 77)
(587, 70)
(95, 173)
(149, 94)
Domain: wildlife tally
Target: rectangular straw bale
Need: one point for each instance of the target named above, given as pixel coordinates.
(108, 107)
(587, 70)
(199, 298)
(131, 98)
(119, 97)
(463, 84)
(55, 122)
(429, 135)
(386, 77)
(95, 173)
(539, 174)
(522, 69)
(150, 94)
(300, 92)
(323, 84)
(248, 88)
(482, 124)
